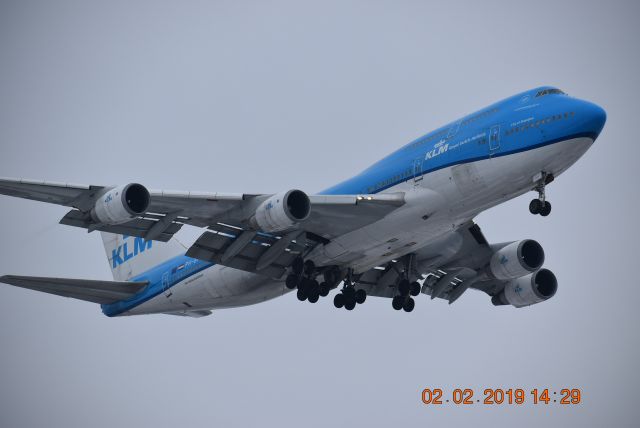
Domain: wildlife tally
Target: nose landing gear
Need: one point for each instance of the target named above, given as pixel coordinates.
(537, 206)
(541, 205)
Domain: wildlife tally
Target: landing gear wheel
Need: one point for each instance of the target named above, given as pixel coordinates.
(324, 289)
(409, 305)
(546, 209)
(338, 301)
(313, 298)
(404, 287)
(535, 206)
(397, 302)
(291, 281)
(360, 296)
(302, 296)
(350, 304)
(415, 288)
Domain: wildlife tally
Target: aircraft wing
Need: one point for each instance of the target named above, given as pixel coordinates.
(167, 211)
(79, 196)
(226, 216)
(82, 289)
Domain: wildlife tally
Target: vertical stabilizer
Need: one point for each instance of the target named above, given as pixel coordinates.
(130, 256)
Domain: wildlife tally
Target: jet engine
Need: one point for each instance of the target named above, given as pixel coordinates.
(528, 290)
(121, 204)
(282, 211)
(516, 259)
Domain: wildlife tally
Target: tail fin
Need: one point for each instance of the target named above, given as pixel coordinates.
(130, 256)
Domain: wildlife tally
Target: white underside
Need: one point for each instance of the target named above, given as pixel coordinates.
(449, 197)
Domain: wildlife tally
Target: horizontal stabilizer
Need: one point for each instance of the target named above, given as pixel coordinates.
(103, 292)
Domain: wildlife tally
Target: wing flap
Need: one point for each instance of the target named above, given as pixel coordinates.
(211, 246)
(103, 292)
(139, 227)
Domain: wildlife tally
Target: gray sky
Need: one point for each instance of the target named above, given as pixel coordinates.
(268, 96)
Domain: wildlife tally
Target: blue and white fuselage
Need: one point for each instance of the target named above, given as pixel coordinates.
(447, 176)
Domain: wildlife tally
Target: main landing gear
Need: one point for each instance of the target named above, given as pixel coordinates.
(302, 277)
(403, 299)
(348, 297)
(541, 205)
(406, 288)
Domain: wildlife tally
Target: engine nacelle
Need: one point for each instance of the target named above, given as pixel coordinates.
(516, 259)
(528, 290)
(121, 204)
(282, 211)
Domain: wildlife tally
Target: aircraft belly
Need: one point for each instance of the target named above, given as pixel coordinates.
(214, 288)
(399, 233)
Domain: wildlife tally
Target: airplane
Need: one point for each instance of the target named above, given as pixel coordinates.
(402, 227)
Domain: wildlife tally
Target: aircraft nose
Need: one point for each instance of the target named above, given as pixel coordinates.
(595, 117)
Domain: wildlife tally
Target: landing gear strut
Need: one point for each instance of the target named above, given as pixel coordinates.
(348, 297)
(541, 205)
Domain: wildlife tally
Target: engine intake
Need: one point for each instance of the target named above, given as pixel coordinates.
(516, 259)
(121, 204)
(528, 290)
(282, 211)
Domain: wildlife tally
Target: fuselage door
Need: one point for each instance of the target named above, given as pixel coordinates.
(494, 139)
(453, 130)
(417, 170)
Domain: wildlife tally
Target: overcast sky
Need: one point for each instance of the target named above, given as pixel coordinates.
(268, 96)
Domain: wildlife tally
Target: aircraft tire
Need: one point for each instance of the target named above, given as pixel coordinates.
(535, 206)
(338, 301)
(546, 209)
(350, 304)
(324, 289)
(291, 281)
(409, 305)
(415, 288)
(397, 302)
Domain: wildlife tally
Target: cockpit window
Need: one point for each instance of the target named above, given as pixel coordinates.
(548, 91)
